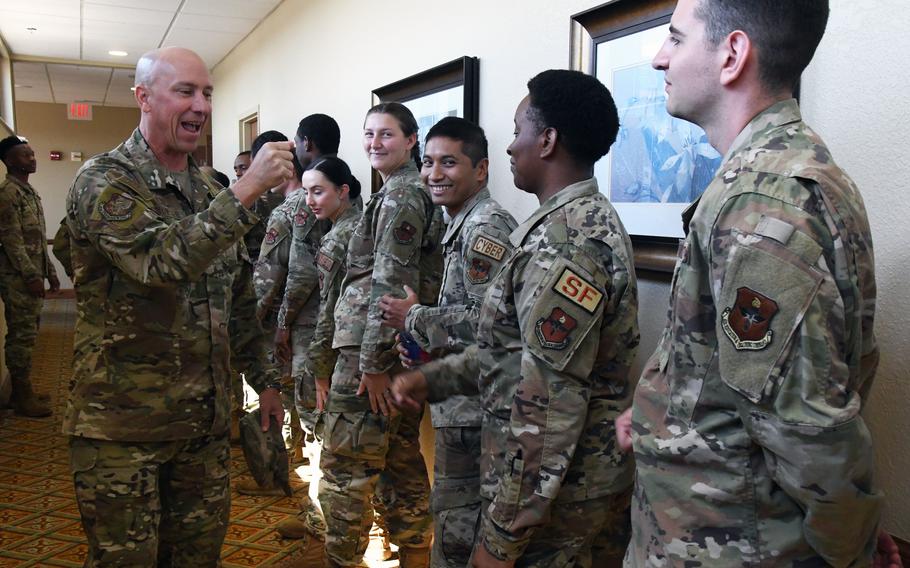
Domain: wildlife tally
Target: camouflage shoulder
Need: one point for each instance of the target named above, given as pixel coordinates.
(106, 191)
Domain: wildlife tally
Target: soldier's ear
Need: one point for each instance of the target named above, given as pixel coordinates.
(482, 170)
(142, 95)
(548, 139)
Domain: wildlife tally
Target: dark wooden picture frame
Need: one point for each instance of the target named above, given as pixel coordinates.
(611, 21)
(462, 72)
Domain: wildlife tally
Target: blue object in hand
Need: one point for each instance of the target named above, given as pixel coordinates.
(415, 353)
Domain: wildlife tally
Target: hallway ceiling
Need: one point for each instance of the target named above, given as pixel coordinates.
(60, 48)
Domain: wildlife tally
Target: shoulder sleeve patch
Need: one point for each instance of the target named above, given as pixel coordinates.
(572, 286)
(553, 331)
(118, 207)
(748, 322)
(479, 271)
(325, 261)
(489, 247)
(404, 233)
(300, 218)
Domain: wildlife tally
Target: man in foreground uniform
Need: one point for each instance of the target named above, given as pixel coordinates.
(165, 309)
(556, 337)
(24, 265)
(746, 425)
(476, 242)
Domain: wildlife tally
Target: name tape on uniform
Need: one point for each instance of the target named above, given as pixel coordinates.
(578, 290)
(489, 248)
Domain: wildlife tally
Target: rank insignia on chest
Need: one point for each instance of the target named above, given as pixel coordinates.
(271, 237)
(404, 233)
(479, 272)
(488, 247)
(578, 290)
(118, 208)
(553, 331)
(747, 323)
(301, 217)
(325, 262)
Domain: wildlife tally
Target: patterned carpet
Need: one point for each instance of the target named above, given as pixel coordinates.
(39, 519)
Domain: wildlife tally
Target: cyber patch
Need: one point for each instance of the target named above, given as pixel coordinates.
(479, 272)
(118, 208)
(578, 290)
(271, 237)
(325, 262)
(404, 233)
(747, 323)
(488, 247)
(553, 331)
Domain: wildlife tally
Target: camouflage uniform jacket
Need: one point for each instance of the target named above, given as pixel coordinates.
(165, 300)
(23, 237)
(475, 245)
(750, 447)
(61, 247)
(396, 242)
(330, 263)
(300, 303)
(262, 208)
(556, 338)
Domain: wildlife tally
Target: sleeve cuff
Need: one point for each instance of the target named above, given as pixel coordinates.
(498, 543)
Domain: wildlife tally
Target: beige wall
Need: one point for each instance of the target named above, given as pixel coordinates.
(47, 128)
(327, 56)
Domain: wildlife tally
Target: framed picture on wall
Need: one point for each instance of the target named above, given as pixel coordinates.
(450, 89)
(658, 164)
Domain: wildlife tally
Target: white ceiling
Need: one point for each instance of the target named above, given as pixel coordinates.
(85, 30)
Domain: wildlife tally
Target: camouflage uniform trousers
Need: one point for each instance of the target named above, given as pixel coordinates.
(304, 392)
(23, 314)
(153, 504)
(583, 534)
(456, 496)
(366, 454)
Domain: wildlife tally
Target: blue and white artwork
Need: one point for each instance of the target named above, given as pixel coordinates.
(658, 164)
(656, 158)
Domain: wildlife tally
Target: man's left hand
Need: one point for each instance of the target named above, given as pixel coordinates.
(270, 405)
(394, 310)
(483, 559)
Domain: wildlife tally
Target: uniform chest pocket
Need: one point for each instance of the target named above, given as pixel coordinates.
(763, 302)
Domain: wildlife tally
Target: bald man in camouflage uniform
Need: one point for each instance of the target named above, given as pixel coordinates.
(556, 337)
(746, 425)
(24, 265)
(166, 310)
(476, 244)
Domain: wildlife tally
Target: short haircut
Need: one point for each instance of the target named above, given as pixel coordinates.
(265, 138)
(473, 140)
(579, 107)
(338, 172)
(406, 121)
(221, 178)
(244, 153)
(785, 33)
(8, 144)
(321, 130)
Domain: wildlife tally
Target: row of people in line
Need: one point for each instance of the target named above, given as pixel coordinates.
(745, 425)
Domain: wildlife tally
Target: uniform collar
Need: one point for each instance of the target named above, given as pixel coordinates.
(351, 211)
(152, 171)
(779, 114)
(20, 183)
(570, 193)
(408, 169)
(466, 209)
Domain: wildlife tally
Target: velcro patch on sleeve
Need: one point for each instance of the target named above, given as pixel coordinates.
(489, 247)
(325, 262)
(119, 207)
(578, 290)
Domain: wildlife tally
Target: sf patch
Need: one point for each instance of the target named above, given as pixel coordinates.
(578, 290)
(747, 323)
(301, 217)
(404, 233)
(118, 208)
(489, 247)
(271, 236)
(553, 331)
(479, 271)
